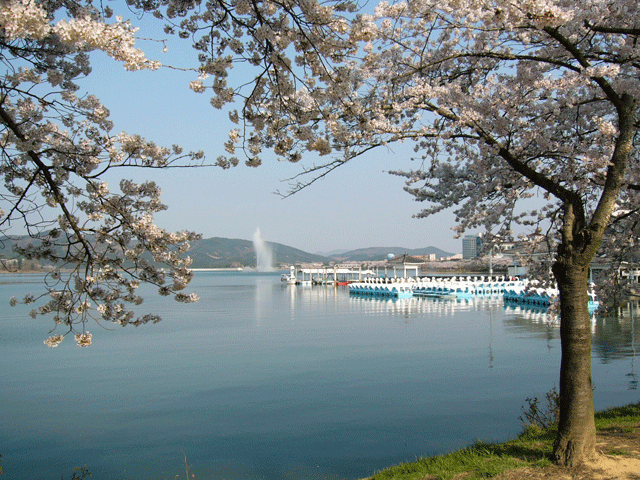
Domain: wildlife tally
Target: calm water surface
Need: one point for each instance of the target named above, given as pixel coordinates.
(264, 381)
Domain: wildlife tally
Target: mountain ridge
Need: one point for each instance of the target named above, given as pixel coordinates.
(380, 253)
(220, 252)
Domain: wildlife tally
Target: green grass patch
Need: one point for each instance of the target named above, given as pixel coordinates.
(619, 451)
(618, 416)
(532, 448)
(482, 460)
(478, 461)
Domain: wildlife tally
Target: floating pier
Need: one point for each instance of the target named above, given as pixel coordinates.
(337, 274)
(440, 287)
(530, 296)
(383, 287)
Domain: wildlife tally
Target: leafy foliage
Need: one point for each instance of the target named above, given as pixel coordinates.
(56, 148)
(524, 116)
(542, 414)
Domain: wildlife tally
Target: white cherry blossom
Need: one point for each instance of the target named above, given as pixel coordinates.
(505, 101)
(57, 144)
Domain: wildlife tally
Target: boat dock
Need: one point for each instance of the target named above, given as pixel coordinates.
(440, 287)
(371, 283)
(346, 274)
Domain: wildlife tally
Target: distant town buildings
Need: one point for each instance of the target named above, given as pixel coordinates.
(471, 245)
(431, 257)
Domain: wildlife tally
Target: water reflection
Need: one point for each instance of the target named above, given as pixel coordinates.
(422, 305)
(617, 337)
(263, 297)
(261, 380)
(533, 314)
(407, 307)
(614, 337)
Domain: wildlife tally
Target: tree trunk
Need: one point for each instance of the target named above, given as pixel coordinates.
(576, 430)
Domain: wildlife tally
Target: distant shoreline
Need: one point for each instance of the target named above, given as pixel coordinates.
(216, 269)
(231, 269)
(220, 269)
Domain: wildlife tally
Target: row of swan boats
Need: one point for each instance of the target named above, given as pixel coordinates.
(513, 290)
(459, 287)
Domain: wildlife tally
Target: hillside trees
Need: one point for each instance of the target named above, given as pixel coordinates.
(56, 149)
(506, 103)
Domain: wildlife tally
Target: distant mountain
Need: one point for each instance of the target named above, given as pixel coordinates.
(332, 253)
(220, 252)
(207, 253)
(373, 254)
(226, 252)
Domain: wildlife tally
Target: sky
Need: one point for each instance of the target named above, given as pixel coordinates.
(358, 205)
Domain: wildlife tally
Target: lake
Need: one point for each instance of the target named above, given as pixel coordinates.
(261, 380)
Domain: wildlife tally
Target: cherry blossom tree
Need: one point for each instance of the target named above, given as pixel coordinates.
(56, 148)
(508, 101)
(505, 102)
(509, 104)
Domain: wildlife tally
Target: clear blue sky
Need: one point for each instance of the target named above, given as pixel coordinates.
(359, 205)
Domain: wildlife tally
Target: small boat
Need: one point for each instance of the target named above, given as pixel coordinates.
(289, 278)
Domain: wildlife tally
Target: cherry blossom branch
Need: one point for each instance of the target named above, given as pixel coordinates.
(44, 171)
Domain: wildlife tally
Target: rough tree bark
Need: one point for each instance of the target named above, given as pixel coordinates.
(580, 241)
(576, 430)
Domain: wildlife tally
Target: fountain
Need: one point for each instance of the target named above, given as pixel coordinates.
(264, 255)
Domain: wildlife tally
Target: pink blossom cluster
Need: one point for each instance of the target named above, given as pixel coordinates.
(57, 145)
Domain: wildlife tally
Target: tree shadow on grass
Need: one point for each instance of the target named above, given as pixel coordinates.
(534, 445)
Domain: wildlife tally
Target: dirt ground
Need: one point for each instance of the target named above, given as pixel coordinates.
(617, 458)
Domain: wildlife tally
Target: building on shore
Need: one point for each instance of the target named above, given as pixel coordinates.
(471, 246)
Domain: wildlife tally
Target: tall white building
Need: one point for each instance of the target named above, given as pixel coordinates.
(471, 245)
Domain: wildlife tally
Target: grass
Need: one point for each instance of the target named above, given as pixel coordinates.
(532, 448)
(619, 451)
(618, 416)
